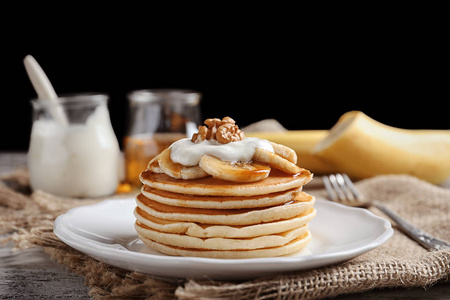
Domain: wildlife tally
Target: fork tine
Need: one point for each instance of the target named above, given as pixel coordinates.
(352, 187)
(347, 188)
(329, 188)
(337, 188)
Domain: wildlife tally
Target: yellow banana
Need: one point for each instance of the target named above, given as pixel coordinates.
(363, 147)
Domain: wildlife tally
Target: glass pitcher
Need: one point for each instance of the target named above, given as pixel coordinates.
(78, 158)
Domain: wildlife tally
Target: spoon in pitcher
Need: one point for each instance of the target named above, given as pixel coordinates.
(44, 89)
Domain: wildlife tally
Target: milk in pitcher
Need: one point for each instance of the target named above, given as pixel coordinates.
(81, 159)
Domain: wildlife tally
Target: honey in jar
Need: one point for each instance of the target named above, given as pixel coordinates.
(156, 119)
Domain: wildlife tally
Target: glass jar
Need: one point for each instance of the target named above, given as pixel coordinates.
(73, 149)
(156, 119)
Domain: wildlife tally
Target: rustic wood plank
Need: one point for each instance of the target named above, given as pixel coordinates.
(31, 274)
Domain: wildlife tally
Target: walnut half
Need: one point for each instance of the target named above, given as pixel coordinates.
(224, 131)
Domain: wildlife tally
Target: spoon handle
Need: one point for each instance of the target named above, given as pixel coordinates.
(44, 88)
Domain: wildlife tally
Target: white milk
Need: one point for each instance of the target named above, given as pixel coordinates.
(79, 160)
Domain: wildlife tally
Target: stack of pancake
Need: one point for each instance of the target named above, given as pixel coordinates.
(224, 206)
(209, 217)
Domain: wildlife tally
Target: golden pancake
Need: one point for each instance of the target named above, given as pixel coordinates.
(217, 202)
(244, 216)
(277, 181)
(220, 243)
(289, 248)
(204, 231)
(220, 195)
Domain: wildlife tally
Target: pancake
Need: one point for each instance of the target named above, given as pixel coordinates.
(220, 195)
(289, 248)
(217, 202)
(220, 243)
(204, 231)
(277, 181)
(244, 216)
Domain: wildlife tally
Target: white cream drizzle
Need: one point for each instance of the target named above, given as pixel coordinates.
(187, 153)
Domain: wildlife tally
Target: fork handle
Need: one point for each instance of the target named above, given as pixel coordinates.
(426, 240)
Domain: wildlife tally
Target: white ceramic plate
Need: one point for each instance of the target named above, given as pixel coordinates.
(106, 232)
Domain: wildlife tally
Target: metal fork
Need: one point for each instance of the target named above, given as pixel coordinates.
(341, 189)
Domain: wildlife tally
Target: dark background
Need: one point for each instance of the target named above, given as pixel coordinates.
(306, 77)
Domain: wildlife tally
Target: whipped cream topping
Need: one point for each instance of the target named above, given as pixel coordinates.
(187, 153)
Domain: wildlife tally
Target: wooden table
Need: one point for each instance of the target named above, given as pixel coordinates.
(30, 274)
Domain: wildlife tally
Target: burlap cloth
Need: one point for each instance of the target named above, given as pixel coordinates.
(27, 220)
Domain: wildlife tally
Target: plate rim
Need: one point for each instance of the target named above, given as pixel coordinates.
(72, 239)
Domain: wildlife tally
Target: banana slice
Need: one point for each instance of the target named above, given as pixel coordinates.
(303, 143)
(177, 170)
(153, 165)
(276, 161)
(230, 171)
(285, 152)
